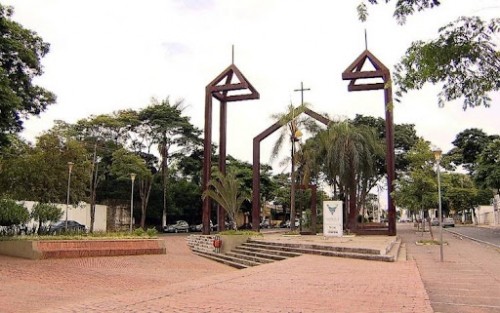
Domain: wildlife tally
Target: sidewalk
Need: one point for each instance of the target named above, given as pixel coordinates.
(467, 281)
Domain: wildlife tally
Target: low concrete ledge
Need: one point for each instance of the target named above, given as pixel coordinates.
(204, 243)
(46, 249)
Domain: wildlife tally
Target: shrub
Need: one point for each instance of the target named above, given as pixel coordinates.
(12, 213)
(151, 232)
(139, 232)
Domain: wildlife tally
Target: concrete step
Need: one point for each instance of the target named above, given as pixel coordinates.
(230, 258)
(346, 252)
(296, 247)
(249, 257)
(221, 258)
(266, 253)
(256, 252)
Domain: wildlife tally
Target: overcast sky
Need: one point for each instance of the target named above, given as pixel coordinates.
(112, 55)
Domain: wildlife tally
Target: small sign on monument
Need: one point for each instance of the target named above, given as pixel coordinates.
(332, 219)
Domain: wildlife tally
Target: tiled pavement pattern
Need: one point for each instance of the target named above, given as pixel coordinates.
(467, 281)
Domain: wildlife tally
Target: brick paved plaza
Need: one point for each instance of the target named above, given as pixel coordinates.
(182, 282)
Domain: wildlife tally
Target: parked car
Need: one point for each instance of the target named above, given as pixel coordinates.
(448, 222)
(73, 227)
(179, 226)
(227, 225)
(435, 221)
(199, 227)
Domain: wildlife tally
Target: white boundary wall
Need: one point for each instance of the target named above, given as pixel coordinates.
(80, 213)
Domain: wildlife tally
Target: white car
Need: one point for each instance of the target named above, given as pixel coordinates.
(179, 226)
(448, 222)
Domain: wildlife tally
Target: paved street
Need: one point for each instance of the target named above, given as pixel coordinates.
(489, 235)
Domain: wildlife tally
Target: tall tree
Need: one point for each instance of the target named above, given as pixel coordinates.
(21, 51)
(144, 166)
(416, 190)
(173, 134)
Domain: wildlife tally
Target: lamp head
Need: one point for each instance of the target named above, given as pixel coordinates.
(70, 166)
(437, 154)
(132, 176)
(296, 135)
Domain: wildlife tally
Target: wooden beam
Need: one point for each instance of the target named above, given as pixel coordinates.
(365, 87)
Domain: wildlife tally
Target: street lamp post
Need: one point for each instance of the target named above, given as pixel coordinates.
(70, 167)
(437, 156)
(132, 177)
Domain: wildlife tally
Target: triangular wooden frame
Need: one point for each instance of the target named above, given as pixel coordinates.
(353, 72)
(220, 92)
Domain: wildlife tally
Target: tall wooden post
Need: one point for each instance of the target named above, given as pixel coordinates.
(219, 90)
(353, 73)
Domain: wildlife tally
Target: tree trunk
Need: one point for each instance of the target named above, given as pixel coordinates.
(352, 207)
(430, 227)
(144, 192)
(165, 182)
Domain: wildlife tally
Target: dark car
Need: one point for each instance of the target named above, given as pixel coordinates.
(179, 226)
(72, 227)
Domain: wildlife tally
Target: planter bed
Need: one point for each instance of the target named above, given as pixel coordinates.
(47, 249)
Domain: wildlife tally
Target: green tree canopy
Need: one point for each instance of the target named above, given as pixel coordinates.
(21, 51)
(469, 144)
(416, 189)
(487, 174)
(464, 58)
(40, 173)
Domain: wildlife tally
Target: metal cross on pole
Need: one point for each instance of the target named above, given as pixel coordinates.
(292, 174)
(302, 89)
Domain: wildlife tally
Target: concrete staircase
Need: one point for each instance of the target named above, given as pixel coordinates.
(256, 252)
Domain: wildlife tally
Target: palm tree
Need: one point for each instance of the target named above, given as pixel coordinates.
(294, 122)
(226, 191)
(349, 157)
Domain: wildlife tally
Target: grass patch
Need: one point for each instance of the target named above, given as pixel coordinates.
(429, 242)
(138, 233)
(233, 232)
